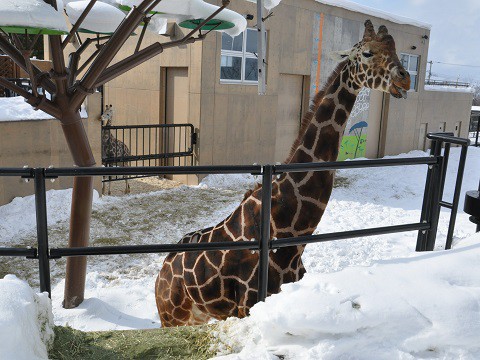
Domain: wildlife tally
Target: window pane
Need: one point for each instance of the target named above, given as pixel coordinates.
(404, 60)
(232, 43)
(251, 69)
(413, 66)
(252, 38)
(238, 43)
(413, 84)
(227, 42)
(231, 68)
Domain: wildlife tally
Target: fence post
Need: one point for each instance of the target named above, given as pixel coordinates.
(427, 197)
(456, 196)
(42, 230)
(436, 197)
(264, 250)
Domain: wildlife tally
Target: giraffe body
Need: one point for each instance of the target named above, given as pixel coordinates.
(112, 147)
(192, 288)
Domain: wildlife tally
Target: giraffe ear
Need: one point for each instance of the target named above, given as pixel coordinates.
(340, 55)
(369, 30)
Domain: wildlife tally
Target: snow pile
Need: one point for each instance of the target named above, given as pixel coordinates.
(268, 4)
(16, 109)
(26, 321)
(230, 181)
(31, 13)
(102, 18)
(427, 306)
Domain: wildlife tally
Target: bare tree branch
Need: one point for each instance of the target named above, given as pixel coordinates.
(111, 48)
(78, 23)
(36, 101)
(18, 59)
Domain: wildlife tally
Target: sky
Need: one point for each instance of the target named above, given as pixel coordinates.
(454, 37)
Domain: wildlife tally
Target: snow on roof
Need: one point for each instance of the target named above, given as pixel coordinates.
(102, 18)
(31, 13)
(476, 108)
(352, 6)
(459, 89)
(195, 9)
(16, 109)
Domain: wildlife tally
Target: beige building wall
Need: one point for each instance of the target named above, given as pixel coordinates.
(432, 111)
(41, 143)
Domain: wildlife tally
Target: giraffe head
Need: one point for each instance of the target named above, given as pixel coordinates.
(374, 63)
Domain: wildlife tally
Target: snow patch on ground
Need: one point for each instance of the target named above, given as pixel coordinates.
(230, 181)
(459, 89)
(26, 321)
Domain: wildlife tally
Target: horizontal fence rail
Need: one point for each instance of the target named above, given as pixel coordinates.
(426, 227)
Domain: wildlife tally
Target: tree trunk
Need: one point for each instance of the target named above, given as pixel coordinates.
(81, 207)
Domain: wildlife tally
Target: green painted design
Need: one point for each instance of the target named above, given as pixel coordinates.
(352, 145)
(31, 30)
(211, 25)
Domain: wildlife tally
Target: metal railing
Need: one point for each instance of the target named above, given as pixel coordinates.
(426, 227)
(149, 145)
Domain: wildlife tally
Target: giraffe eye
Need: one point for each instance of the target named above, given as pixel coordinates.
(367, 54)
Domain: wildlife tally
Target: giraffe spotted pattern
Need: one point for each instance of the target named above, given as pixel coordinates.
(193, 288)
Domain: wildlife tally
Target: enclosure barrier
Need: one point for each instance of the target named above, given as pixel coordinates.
(427, 227)
(149, 145)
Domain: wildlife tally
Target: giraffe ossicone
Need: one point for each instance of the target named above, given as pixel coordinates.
(192, 288)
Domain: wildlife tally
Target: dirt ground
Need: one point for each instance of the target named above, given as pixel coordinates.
(141, 185)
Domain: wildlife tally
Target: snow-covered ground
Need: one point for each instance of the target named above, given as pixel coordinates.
(372, 293)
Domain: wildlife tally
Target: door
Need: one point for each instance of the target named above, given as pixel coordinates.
(176, 100)
(289, 114)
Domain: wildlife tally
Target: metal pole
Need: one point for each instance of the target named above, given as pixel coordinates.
(261, 49)
(42, 230)
(435, 202)
(424, 217)
(478, 131)
(264, 250)
(456, 196)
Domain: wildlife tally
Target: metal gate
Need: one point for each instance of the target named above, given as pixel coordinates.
(147, 145)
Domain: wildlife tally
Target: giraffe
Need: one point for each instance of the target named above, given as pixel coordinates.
(112, 147)
(192, 288)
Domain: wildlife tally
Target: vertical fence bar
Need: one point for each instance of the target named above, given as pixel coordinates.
(425, 215)
(435, 202)
(42, 230)
(456, 196)
(446, 158)
(264, 250)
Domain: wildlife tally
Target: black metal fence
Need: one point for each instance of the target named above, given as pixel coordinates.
(426, 227)
(474, 130)
(148, 145)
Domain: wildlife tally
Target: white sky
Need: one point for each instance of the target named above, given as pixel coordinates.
(454, 34)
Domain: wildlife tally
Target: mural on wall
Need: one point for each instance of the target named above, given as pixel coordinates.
(332, 33)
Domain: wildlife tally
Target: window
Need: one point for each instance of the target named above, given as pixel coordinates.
(411, 63)
(239, 63)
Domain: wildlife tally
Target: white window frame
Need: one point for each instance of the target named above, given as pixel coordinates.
(411, 72)
(244, 55)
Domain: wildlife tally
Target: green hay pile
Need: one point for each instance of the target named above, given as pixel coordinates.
(169, 343)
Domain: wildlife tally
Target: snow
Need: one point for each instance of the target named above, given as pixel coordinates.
(26, 321)
(31, 13)
(194, 9)
(102, 18)
(459, 89)
(16, 109)
(476, 108)
(426, 306)
(353, 6)
(364, 298)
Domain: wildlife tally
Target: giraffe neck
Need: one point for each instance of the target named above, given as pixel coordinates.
(323, 135)
(299, 199)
